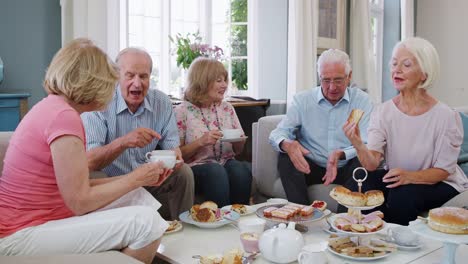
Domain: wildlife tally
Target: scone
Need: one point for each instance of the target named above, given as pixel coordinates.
(205, 215)
(210, 205)
(321, 205)
(339, 192)
(239, 208)
(374, 197)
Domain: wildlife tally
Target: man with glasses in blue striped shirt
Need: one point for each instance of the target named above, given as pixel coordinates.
(312, 146)
(137, 120)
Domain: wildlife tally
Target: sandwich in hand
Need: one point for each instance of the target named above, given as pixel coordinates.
(355, 116)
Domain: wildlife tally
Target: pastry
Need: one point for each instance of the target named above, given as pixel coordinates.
(355, 116)
(239, 208)
(354, 199)
(307, 211)
(451, 220)
(205, 215)
(210, 205)
(374, 197)
(321, 205)
(339, 192)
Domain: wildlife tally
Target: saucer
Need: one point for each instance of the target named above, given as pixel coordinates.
(236, 139)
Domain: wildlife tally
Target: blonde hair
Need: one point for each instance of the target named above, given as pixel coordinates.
(426, 56)
(201, 74)
(83, 73)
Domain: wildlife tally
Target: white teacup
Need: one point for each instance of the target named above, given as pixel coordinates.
(403, 236)
(313, 254)
(231, 133)
(252, 225)
(168, 157)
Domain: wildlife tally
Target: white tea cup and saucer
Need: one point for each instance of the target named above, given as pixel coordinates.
(232, 134)
(402, 236)
(313, 254)
(167, 157)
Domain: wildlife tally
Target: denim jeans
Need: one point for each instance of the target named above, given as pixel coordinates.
(224, 185)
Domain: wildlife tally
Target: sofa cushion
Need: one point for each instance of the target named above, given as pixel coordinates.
(463, 157)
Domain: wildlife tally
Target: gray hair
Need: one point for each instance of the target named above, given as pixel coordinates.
(135, 50)
(334, 56)
(426, 56)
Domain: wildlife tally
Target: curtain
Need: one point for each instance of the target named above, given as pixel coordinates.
(302, 46)
(407, 18)
(361, 49)
(98, 20)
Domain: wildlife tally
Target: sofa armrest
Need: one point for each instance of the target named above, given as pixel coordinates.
(264, 158)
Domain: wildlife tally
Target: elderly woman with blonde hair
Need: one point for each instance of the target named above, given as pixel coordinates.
(48, 204)
(418, 137)
(203, 115)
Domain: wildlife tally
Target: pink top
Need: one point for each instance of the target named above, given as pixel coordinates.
(29, 195)
(191, 125)
(429, 140)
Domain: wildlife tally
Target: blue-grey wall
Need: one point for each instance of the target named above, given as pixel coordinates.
(391, 37)
(30, 34)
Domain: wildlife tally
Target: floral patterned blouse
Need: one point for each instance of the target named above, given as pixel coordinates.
(193, 122)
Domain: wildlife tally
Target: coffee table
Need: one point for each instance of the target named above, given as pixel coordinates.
(179, 247)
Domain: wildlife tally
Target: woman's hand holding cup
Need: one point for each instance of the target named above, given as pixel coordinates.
(152, 174)
(210, 138)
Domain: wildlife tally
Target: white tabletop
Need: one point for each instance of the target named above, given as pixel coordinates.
(191, 240)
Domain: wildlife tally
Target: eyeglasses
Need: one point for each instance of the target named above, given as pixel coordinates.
(336, 81)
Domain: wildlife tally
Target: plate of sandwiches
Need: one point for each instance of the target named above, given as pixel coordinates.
(446, 224)
(208, 215)
(358, 224)
(174, 226)
(357, 200)
(292, 212)
(347, 247)
(241, 209)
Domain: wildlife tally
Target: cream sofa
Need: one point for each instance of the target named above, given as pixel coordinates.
(114, 257)
(266, 175)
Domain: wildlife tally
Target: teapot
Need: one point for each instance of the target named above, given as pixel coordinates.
(281, 244)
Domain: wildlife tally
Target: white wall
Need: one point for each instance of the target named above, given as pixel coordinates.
(443, 23)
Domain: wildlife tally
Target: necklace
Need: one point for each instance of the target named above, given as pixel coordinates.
(207, 124)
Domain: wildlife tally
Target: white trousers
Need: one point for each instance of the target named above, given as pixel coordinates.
(131, 221)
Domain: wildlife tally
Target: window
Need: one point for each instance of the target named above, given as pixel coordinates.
(220, 22)
(331, 25)
(376, 13)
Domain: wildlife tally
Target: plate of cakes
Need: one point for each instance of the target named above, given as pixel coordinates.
(241, 209)
(208, 215)
(293, 212)
(358, 224)
(347, 247)
(356, 200)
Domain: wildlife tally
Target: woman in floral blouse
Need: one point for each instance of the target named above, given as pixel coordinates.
(200, 119)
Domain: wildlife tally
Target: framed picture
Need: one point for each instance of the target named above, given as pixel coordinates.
(332, 25)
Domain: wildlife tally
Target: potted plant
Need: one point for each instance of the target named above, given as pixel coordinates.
(190, 47)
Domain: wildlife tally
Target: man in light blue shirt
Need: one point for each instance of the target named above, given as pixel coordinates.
(310, 139)
(136, 121)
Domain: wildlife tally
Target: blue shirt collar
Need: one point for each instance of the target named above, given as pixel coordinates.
(122, 105)
(321, 98)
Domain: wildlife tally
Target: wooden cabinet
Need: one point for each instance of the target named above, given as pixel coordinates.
(12, 109)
